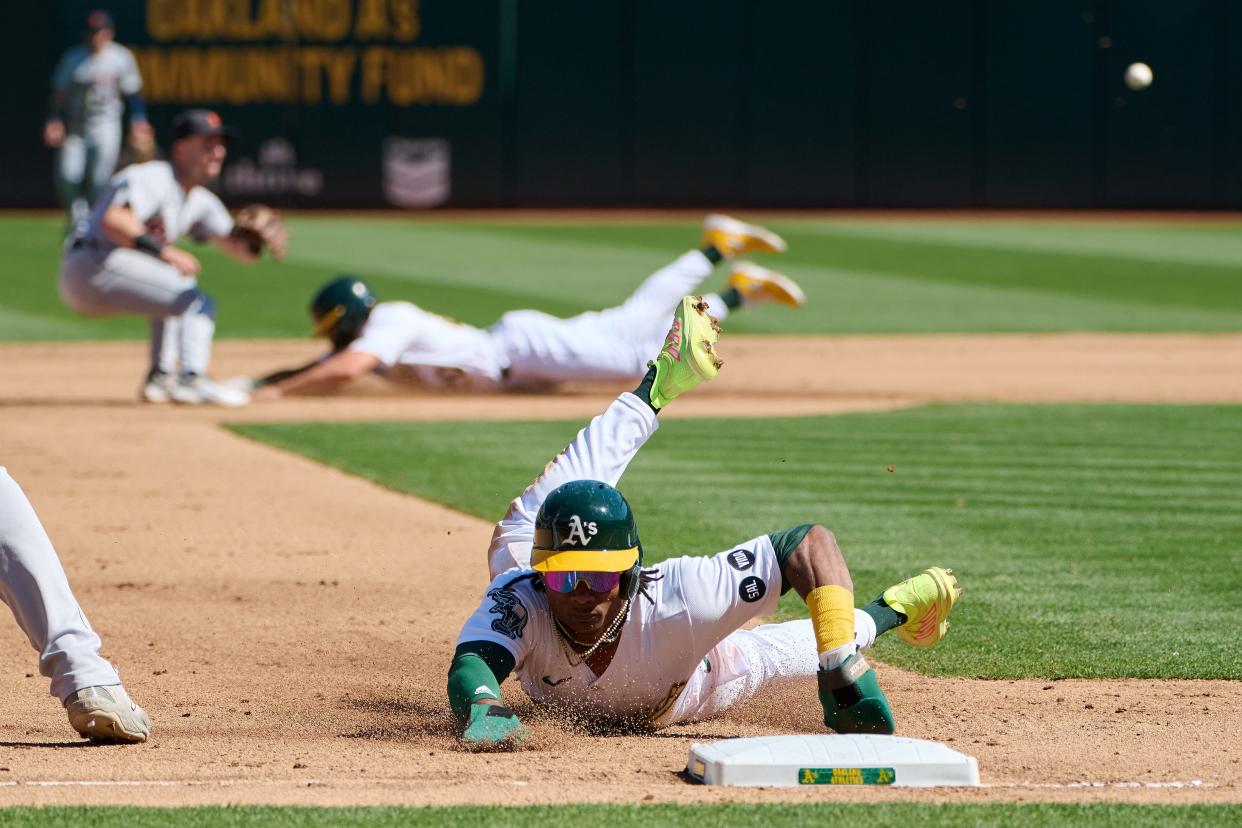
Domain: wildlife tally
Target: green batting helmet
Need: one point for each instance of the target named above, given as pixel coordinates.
(341, 308)
(588, 526)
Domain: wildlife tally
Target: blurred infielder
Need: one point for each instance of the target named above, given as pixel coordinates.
(592, 633)
(526, 349)
(33, 584)
(84, 114)
(121, 258)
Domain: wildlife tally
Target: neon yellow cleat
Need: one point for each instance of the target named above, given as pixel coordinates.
(688, 357)
(758, 284)
(925, 600)
(737, 238)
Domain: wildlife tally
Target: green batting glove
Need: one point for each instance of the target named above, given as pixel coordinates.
(492, 727)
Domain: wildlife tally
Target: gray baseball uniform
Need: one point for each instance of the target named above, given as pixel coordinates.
(97, 278)
(92, 85)
(34, 586)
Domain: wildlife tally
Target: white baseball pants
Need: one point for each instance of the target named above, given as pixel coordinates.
(129, 281)
(606, 345)
(748, 662)
(84, 164)
(33, 584)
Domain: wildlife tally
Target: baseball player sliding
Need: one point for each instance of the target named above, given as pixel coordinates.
(34, 586)
(84, 114)
(593, 633)
(526, 349)
(121, 258)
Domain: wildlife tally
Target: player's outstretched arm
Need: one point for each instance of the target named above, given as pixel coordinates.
(340, 368)
(603, 450)
(474, 680)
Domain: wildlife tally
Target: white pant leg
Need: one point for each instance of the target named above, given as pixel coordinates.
(645, 317)
(129, 281)
(103, 147)
(34, 586)
(165, 343)
(70, 172)
(612, 344)
(748, 661)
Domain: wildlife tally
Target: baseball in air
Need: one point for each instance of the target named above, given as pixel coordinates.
(1138, 76)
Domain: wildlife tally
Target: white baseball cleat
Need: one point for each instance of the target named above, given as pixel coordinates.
(156, 389)
(199, 390)
(107, 713)
(243, 384)
(758, 284)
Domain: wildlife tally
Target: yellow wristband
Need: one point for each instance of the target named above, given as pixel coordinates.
(832, 616)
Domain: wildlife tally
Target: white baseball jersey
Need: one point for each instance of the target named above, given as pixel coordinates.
(93, 84)
(696, 603)
(151, 191)
(413, 344)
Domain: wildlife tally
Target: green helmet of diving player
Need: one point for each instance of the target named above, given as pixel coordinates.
(585, 530)
(341, 308)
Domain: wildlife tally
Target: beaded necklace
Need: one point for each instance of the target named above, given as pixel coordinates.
(610, 635)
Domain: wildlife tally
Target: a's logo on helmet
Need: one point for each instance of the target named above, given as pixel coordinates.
(580, 531)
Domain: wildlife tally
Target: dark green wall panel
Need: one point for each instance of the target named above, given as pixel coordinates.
(688, 83)
(1039, 72)
(920, 79)
(1159, 142)
(888, 103)
(800, 103)
(572, 104)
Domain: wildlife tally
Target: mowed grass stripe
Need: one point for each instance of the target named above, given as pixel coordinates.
(817, 815)
(1089, 538)
(860, 276)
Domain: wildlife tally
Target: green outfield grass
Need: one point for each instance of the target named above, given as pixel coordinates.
(886, 815)
(1092, 541)
(861, 275)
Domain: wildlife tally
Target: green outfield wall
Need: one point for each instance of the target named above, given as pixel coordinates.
(885, 103)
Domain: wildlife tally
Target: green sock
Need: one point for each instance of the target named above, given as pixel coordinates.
(643, 391)
(713, 255)
(885, 617)
(732, 298)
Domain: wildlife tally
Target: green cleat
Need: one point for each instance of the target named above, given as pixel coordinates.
(688, 357)
(925, 600)
(852, 699)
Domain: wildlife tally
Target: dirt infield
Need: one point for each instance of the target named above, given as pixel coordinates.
(288, 626)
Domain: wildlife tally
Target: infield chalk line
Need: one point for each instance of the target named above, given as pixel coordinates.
(173, 783)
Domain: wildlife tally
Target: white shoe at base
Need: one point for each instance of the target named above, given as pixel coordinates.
(156, 389)
(107, 713)
(205, 391)
(243, 384)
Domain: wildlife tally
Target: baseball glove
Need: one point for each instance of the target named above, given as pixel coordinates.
(260, 226)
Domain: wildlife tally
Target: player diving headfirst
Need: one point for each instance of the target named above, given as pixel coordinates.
(592, 632)
(526, 349)
(121, 257)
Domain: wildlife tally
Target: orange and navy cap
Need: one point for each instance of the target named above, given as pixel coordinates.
(193, 122)
(99, 20)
